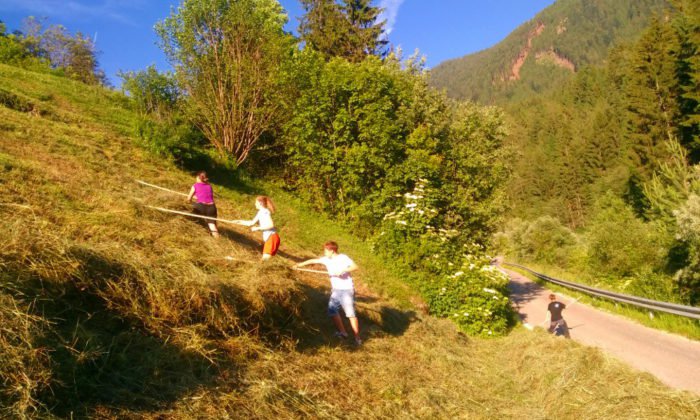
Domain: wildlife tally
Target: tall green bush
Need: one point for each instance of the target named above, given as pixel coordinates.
(455, 277)
(620, 244)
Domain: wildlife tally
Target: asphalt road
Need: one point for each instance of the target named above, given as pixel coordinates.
(675, 360)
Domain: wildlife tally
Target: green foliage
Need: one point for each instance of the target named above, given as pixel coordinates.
(361, 133)
(14, 51)
(346, 140)
(173, 139)
(688, 278)
(544, 240)
(349, 29)
(613, 156)
(155, 94)
(43, 49)
(227, 57)
(455, 277)
(74, 54)
(622, 245)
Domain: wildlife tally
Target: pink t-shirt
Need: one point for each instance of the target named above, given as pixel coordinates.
(204, 193)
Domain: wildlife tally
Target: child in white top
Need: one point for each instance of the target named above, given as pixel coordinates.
(263, 218)
(339, 267)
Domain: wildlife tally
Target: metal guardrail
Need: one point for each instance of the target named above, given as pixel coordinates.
(654, 305)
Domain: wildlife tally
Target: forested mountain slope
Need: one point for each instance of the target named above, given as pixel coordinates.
(542, 52)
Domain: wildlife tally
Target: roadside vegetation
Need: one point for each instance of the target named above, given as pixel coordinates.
(605, 179)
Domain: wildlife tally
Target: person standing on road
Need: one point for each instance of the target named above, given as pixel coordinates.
(556, 320)
(339, 267)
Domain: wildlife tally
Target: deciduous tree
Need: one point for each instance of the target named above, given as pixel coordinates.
(227, 55)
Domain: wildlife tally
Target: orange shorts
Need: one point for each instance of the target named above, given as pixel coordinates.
(272, 244)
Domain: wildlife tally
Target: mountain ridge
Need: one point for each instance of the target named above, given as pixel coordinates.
(545, 50)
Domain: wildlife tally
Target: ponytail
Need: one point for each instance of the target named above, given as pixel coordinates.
(266, 202)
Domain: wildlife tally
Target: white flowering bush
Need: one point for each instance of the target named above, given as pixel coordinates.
(453, 274)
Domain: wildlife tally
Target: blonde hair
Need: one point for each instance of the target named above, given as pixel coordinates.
(266, 202)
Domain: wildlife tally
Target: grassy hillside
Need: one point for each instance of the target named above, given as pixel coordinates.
(111, 310)
(544, 51)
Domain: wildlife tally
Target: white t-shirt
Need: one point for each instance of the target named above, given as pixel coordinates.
(265, 219)
(337, 264)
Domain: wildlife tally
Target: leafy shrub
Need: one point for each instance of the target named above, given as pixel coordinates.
(154, 93)
(177, 141)
(543, 240)
(652, 285)
(547, 240)
(14, 52)
(620, 244)
(475, 297)
(361, 133)
(454, 276)
(688, 221)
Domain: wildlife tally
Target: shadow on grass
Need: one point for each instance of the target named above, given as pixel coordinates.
(253, 244)
(101, 358)
(318, 331)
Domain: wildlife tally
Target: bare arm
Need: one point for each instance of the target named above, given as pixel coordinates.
(248, 222)
(308, 262)
(190, 195)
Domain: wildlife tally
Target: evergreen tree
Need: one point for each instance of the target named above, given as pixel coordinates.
(365, 32)
(349, 30)
(652, 91)
(688, 29)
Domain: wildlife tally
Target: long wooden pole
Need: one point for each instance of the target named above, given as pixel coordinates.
(160, 188)
(310, 271)
(184, 213)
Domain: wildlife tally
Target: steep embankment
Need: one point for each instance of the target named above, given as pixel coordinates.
(541, 53)
(110, 310)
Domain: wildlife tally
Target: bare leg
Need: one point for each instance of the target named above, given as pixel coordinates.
(355, 324)
(214, 231)
(339, 324)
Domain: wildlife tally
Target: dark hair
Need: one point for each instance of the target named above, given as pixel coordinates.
(203, 176)
(266, 202)
(331, 246)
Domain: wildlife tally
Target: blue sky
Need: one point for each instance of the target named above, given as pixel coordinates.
(439, 29)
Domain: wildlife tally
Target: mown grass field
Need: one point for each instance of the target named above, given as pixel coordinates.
(111, 310)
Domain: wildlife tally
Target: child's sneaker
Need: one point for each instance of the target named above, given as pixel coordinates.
(358, 341)
(341, 335)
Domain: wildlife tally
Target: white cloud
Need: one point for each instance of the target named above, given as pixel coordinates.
(110, 9)
(391, 10)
